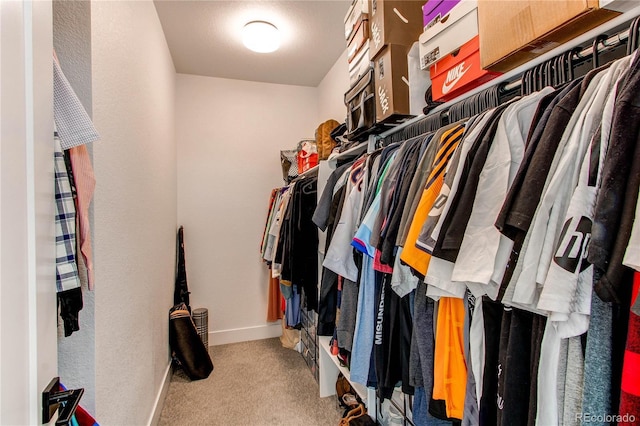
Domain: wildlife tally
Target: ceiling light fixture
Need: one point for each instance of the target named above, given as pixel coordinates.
(261, 37)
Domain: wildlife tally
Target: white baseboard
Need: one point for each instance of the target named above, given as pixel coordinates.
(154, 419)
(235, 335)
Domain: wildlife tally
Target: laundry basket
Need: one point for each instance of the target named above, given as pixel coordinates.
(201, 320)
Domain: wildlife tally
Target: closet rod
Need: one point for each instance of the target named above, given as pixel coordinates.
(507, 87)
(606, 44)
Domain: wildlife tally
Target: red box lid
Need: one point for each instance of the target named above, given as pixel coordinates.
(459, 72)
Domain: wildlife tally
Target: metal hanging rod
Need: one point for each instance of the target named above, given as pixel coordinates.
(508, 85)
(604, 45)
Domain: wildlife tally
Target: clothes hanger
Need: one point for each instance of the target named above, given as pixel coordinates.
(534, 79)
(632, 41)
(523, 83)
(527, 82)
(548, 80)
(572, 52)
(557, 73)
(595, 52)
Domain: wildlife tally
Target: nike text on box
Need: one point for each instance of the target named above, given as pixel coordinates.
(455, 26)
(459, 72)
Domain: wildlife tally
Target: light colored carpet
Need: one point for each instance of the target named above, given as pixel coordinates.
(252, 383)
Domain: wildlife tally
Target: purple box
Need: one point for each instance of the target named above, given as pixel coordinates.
(434, 10)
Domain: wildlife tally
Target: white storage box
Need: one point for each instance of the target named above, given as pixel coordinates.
(358, 7)
(449, 34)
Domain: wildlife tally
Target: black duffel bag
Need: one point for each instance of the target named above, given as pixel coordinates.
(186, 345)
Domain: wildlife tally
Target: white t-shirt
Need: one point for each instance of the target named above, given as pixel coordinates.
(536, 251)
(476, 262)
(339, 256)
(566, 292)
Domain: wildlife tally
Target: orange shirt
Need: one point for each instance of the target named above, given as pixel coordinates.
(411, 255)
(449, 365)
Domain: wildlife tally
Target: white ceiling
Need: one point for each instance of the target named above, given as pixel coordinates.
(204, 38)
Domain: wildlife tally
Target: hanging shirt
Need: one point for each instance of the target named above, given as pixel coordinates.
(562, 181)
(73, 124)
(568, 285)
(339, 257)
(413, 256)
(476, 261)
(523, 292)
(617, 198)
(66, 266)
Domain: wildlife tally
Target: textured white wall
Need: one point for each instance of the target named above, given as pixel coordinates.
(229, 134)
(135, 207)
(72, 42)
(331, 91)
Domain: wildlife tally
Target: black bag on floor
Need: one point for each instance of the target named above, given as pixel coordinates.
(186, 345)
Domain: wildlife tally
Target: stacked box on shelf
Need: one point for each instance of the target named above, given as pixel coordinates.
(392, 91)
(356, 31)
(506, 42)
(459, 72)
(450, 24)
(395, 26)
(396, 22)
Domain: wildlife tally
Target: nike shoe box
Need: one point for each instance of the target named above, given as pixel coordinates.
(392, 85)
(519, 31)
(354, 14)
(459, 72)
(458, 25)
(359, 38)
(434, 11)
(393, 22)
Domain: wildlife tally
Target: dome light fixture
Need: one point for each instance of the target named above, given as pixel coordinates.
(261, 37)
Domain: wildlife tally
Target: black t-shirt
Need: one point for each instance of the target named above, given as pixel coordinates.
(618, 196)
(455, 222)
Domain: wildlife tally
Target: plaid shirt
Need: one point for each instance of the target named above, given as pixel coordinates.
(66, 266)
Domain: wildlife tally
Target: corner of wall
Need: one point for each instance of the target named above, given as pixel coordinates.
(331, 90)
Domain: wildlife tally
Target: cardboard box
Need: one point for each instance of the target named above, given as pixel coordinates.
(356, 10)
(514, 32)
(459, 72)
(359, 38)
(434, 11)
(391, 84)
(457, 27)
(393, 22)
